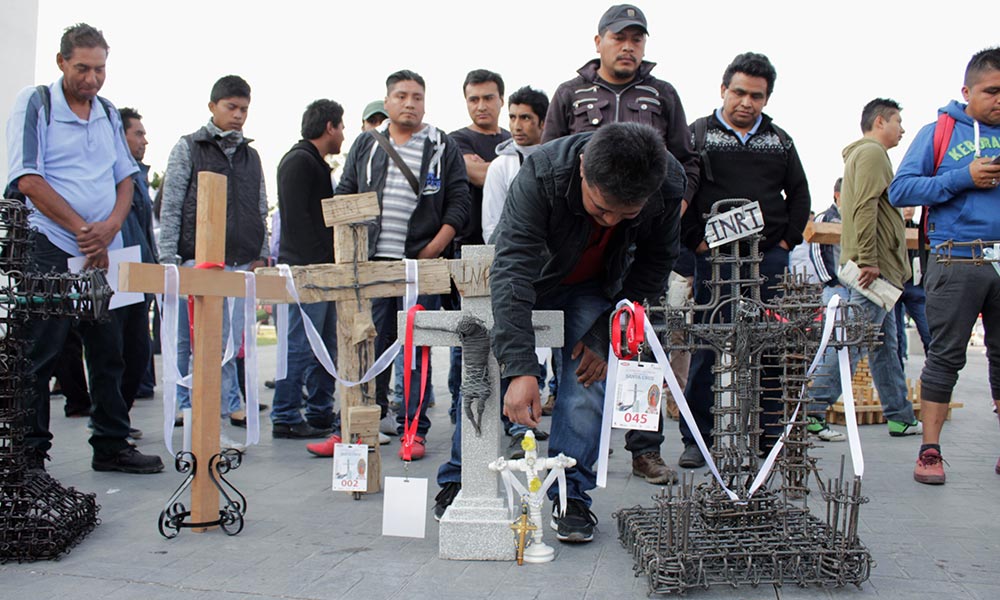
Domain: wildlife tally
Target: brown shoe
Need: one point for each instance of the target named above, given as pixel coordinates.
(651, 466)
(549, 406)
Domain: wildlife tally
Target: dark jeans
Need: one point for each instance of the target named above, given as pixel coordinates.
(103, 345)
(701, 379)
(137, 348)
(913, 302)
(304, 369)
(384, 312)
(69, 373)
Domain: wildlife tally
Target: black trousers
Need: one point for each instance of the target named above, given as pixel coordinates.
(102, 343)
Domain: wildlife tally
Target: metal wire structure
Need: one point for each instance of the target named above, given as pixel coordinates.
(40, 519)
(695, 536)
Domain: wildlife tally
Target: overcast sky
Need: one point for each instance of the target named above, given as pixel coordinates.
(831, 58)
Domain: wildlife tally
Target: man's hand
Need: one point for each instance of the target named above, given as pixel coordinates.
(522, 404)
(985, 174)
(702, 247)
(95, 237)
(784, 245)
(430, 251)
(260, 262)
(867, 276)
(592, 367)
(98, 260)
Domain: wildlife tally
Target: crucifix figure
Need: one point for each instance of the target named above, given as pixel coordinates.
(475, 526)
(352, 282)
(521, 528)
(209, 288)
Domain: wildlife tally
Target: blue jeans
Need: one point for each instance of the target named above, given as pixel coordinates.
(883, 362)
(913, 302)
(305, 369)
(384, 315)
(230, 393)
(576, 421)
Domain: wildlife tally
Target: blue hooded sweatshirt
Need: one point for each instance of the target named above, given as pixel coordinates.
(959, 211)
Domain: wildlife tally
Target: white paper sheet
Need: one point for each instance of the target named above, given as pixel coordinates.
(404, 507)
(880, 291)
(115, 258)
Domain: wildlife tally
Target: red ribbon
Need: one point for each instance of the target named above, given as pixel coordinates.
(410, 427)
(204, 265)
(635, 317)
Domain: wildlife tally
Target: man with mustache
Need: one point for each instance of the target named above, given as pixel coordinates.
(618, 87)
(68, 158)
(742, 154)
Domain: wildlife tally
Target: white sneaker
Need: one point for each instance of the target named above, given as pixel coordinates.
(383, 439)
(819, 428)
(228, 443)
(387, 425)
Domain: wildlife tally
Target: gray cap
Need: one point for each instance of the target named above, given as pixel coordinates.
(373, 108)
(620, 16)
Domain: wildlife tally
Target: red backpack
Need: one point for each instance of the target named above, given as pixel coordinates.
(942, 135)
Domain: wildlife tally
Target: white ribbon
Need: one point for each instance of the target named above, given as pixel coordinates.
(250, 357)
(319, 349)
(168, 338)
(685, 410)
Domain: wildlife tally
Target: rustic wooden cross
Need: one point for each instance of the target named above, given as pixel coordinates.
(209, 288)
(352, 282)
(829, 233)
(475, 526)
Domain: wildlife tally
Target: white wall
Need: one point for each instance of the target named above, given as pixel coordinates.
(19, 24)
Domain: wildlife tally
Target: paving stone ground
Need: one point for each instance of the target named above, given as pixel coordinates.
(303, 541)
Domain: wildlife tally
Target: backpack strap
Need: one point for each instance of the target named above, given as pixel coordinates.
(700, 129)
(942, 135)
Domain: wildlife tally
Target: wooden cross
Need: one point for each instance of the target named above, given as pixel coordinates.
(208, 287)
(829, 233)
(475, 525)
(352, 282)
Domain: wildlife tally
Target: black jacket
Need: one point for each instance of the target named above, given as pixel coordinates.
(445, 192)
(245, 230)
(303, 183)
(542, 234)
(766, 169)
(586, 102)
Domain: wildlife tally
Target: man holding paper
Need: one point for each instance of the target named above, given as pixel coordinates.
(68, 156)
(873, 263)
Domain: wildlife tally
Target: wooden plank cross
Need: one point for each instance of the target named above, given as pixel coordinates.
(829, 233)
(209, 288)
(352, 282)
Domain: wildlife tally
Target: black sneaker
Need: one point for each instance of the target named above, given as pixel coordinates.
(577, 525)
(128, 460)
(514, 449)
(445, 497)
(298, 431)
(691, 458)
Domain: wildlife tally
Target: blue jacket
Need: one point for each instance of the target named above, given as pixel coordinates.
(959, 211)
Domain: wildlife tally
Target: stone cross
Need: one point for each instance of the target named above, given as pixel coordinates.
(208, 287)
(352, 282)
(475, 526)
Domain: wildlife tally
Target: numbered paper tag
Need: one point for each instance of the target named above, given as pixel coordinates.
(350, 468)
(637, 396)
(404, 507)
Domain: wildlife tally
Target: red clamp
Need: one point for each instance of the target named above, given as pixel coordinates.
(635, 333)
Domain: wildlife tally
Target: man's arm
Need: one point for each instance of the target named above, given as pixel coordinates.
(348, 183)
(871, 178)
(262, 209)
(457, 204)
(176, 180)
(797, 200)
(475, 168)
(679, 143)
(48, 202)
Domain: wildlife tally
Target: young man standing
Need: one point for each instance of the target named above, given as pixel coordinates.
(874, 238)
(419, 177)
(958, 182)
(219, 147)
(303, 182)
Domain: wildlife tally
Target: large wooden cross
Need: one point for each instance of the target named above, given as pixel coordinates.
(209, 288)
(476, 525)
(352, 282)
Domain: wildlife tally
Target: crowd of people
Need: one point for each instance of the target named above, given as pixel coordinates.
(597, 193)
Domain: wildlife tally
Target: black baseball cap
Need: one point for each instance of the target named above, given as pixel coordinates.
(620, 16)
